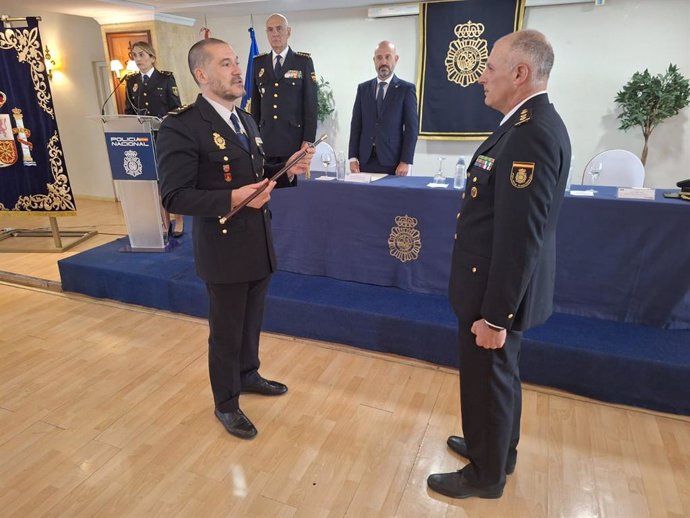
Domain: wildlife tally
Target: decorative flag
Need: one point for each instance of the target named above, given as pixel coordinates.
(33, 175)
(456, 39)
(253, 51)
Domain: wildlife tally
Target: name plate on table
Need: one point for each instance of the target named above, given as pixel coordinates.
(636, 193)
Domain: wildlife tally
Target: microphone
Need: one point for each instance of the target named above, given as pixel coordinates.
(122, 80)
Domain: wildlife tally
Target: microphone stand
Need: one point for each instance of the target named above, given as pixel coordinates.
(273, 178)
(122, 80)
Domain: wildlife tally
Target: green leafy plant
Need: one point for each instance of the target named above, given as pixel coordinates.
(324, 99)
(647, 100)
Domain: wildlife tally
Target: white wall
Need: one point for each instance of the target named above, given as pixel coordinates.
(597, 51)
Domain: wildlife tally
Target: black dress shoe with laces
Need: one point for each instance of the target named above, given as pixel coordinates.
(456, 485)
(459, 446)
(265, 387)
(237, 424)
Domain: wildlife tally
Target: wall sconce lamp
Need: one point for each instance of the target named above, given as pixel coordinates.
(49, 62)
(116, 66)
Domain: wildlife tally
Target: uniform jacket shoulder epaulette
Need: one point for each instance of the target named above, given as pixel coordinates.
(303, 54)
(165, 72)
(261, 55)
(181, 109)
(524, 117)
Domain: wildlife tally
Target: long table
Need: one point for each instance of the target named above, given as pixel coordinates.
(624, 260)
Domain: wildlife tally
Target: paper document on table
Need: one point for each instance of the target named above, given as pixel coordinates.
(636, 193)
(325, 178)
(437, 185)
(589, 192)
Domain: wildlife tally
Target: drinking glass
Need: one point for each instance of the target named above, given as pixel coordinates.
(595, 171)
(438, 178)
(326, 159)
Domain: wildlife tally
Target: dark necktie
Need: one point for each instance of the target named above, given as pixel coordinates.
(145, 78)
(278, 69)
(379, 99)
(236, 124)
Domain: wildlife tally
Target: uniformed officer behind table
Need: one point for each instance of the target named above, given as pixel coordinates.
(210, 159)
(150, 92)
(283, 94)
(502, 271)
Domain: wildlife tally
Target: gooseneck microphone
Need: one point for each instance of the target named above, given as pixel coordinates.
(122, 80)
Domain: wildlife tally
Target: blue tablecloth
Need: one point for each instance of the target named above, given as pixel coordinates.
(624, 260)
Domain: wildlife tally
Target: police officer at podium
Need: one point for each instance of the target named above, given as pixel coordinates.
(150, 92)
(283, 94)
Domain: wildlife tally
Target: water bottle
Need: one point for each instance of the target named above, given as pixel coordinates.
(340, 166)
(460, 176)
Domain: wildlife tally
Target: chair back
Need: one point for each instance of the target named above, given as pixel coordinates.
(619, 168)
(316, 164)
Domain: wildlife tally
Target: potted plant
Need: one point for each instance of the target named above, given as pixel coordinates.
(324, 99)
(647, 100)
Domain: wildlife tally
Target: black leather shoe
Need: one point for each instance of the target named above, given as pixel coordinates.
(455, 485)
(237, 424)
(265, 387)
(459, 446)
(178, 226)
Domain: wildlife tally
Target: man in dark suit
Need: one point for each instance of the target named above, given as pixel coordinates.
(210, 159)
(502, 271)
(283, 94)
(151, 91)
(384, 127)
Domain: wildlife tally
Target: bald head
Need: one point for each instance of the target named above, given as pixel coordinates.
(278, 32)
(385, 59)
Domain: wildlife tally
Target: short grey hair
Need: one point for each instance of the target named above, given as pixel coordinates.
(534, 46)
(198, 56)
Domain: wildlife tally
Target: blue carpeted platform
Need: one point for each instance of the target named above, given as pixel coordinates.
(610, 361)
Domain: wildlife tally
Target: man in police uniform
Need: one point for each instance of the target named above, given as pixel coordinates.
(283, 94)
(210, 159)
(502, 271)
(150, 92)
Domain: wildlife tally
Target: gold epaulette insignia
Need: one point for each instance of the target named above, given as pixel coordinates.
(525, 115)
(181, 109)
(165, 72)
(261, 55)
(305, 54)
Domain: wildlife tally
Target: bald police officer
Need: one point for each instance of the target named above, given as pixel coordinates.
(283, 94)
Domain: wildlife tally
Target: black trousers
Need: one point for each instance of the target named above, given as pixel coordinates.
(235, 315)
(374, 166)
(491, 405)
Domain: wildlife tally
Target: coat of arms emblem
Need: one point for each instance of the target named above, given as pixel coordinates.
(132, 164)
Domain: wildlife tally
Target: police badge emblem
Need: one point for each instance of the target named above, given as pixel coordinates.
(404, 242)
(262, 72)
(135, 87)
(521, 174)
(467, 55)
(132, 164)
(218, 140)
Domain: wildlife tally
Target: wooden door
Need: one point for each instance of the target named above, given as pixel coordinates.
(120, 47)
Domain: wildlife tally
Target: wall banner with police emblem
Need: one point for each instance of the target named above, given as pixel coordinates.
(33, 175)
(455, 41)
(131, 156)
